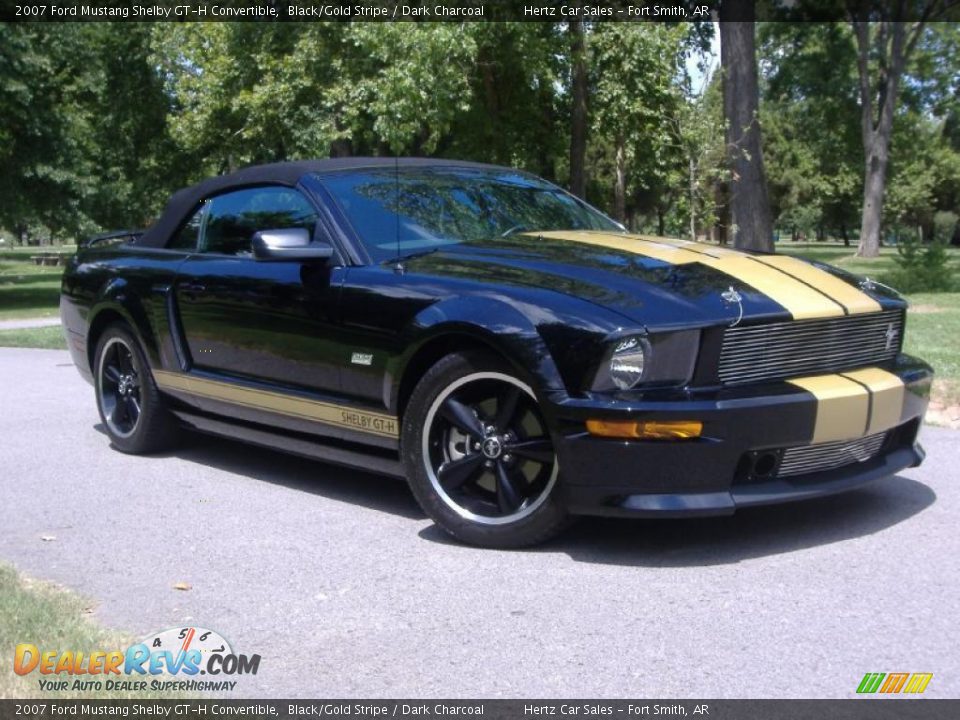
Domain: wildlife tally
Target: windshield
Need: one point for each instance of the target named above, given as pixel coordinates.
(415, 210)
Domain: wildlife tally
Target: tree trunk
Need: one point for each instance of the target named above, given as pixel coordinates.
(844, 234)
(874, 182)
(749, 203)
(693, 199)
(620, 182)
(722, 200)
(661, 223)
(878, 102)
(578, 116)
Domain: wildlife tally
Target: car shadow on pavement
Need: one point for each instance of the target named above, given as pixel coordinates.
(364, 489)
(750, 533)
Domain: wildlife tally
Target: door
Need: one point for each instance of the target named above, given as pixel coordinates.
(267, 321)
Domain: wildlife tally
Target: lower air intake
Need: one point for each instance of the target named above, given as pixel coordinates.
(830, 456)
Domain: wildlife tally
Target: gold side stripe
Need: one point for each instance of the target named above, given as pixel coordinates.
(887, 395)
(842, 407)
(789, 288)
(292, 406)
(853, 299)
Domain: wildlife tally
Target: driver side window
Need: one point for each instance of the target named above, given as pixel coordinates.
(233, 218)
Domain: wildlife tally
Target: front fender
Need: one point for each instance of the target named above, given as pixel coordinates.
(545, 346)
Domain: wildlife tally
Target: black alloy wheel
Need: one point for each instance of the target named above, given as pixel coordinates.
(485, 467)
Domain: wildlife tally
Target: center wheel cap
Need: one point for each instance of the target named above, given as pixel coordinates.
(492, 448)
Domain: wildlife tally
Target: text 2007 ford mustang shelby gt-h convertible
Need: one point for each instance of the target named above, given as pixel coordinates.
(508, 349)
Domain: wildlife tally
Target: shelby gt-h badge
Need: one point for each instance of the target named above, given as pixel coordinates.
(508, 349)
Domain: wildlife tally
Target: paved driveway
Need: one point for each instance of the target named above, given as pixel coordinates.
(337, 579)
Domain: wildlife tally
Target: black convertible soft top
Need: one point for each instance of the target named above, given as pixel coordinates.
(184, 201)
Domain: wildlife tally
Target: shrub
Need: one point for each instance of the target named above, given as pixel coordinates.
(921, 268)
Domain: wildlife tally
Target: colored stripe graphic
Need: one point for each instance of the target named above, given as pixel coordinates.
(894, 683)
(283, 404)
(918, 682)
(804, 290)
(870, 682)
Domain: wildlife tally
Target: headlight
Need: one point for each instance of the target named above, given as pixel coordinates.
(627, 362)
(654, 360)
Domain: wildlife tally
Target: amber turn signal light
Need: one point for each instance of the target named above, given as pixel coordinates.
(646, 429)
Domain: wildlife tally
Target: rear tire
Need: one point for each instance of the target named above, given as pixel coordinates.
(479, 456)
(133, 412)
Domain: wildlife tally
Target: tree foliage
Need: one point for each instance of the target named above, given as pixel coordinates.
(102, 121)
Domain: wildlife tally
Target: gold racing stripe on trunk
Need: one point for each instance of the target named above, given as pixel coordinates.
(800, 300)
(281, 403)
(887, 395)
(853, 299)
(843, 407)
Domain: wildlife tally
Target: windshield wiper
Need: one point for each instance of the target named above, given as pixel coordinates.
(410, 256)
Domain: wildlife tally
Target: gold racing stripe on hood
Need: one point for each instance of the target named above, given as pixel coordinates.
(327, 413)
(800, 300)
(843, 407)
(853, 299)
(887, 395)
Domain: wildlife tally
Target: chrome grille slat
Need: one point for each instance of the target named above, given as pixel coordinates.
(805, 347)
(829, 456)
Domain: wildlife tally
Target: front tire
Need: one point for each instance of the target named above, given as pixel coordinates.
(479, 456)
(134, 414)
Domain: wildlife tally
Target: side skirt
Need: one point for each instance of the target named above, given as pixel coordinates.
(369, 460)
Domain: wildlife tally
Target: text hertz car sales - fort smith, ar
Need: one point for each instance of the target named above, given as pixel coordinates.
(170, 660)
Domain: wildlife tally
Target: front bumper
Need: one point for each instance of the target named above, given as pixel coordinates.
(746, 431)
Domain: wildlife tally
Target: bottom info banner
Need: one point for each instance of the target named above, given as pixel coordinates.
(872, 709)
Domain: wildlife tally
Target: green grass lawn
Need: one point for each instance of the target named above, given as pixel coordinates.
(51, 618)
(844, 257)
(28, 290)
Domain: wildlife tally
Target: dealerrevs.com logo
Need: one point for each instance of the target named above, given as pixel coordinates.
(171, 660)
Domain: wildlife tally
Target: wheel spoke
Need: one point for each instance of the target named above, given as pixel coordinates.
(506, 408)
(507, 496)
(456, 473)
(120, 414)
(459, 415)
(539, 450)
(133, 409)
(112, 373)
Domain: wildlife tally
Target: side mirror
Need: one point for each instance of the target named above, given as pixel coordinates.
(289, 244)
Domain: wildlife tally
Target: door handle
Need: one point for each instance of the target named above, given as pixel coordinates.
(192, 288)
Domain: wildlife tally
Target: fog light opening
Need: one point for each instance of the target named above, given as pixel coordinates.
(764, 465)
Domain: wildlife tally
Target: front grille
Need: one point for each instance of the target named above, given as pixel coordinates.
(829, 456)
(809, 347)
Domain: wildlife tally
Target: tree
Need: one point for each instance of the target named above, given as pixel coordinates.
(578, 110)
(749, 203)
(883, 49)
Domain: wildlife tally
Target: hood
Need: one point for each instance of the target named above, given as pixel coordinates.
(659, 282)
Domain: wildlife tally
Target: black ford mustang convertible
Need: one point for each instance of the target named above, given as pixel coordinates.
(508, 349)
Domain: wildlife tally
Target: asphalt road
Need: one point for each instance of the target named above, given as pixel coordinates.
(342, 585)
